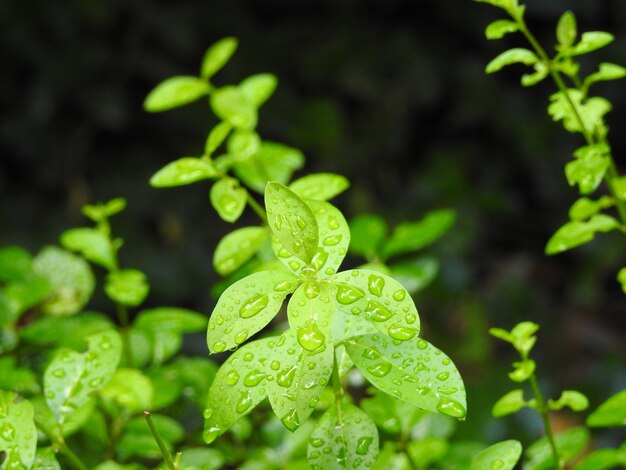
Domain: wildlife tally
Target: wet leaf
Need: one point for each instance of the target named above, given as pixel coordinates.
(378, 298)
(588, 169)
(310, 312)
(319, 186)
(501, 456)
(71, 377)
(174, 92)
(610, 413)
(246, 307)
(344, 437)
(412, 236)
(228, 199)
(292, 221)
(296, 378)
(186, 170)
(237, 247)
(18, 435)
(217, 56)
(127, 287)
(238, 387)
(45, 459)
(413, 371)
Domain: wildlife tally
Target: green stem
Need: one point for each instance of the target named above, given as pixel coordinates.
(256, 207)
(59, 444)
(543, 412)
(612, 172)
(337, 384)
(167, 456)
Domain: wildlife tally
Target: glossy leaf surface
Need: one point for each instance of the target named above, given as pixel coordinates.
(237, 247)
(228, 199)
(237, 388)
(183, 171)
(378, 298)
(413, 371)
(18, 435)
(296, 378)
(310, 313)
(72, 377)
(292, 221)
(319, 186)
(174, 92)
(246, 307)
(344, 437)
(503, 456)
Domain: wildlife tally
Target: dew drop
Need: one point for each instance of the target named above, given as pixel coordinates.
(284, 286)
(232, 377)
(422, 344)
(317, 442)
(443, 376)
(377, 311)
(286, 376)
(375, 284)
(254, 305)
(94, 383)
(446, 361)
(294, 265)
(401, 333)
(291, 421)
(399, 295)
(244, 403)
(219, 346)
(248, 356)
(253, 378)
(347, 294)
(333, 223)
(210, 434)
(311, 290)
(410, 318)
(450, 407)
(371, 354)
(283, 253)
(310, 337)
(58, 373)
(7, 432)
(332, 240)
(313, 402)
(498, 463)
(275, 365)
(379, 370)
(208, 413)
(363, 445)
(319, 259)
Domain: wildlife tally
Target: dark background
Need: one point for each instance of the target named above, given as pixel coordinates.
(391, 94)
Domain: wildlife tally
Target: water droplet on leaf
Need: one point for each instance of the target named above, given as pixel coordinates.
(310, 337)
(379, 370)
(253, 306)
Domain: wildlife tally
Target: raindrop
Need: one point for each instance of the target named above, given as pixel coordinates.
(283, 253)
(7, 432)
(93, 383)
(401, 333)
(294, 265)
(443, 376)
(278, 222)
(301, 222)
(399, 295)
(219, 346)
(58, 373)
(332, 240)
(371, 354)
(254, 306)
(379, 370)
(450, 407)
(378, 312)
(275, 365)
(447, 391)
(241, 336)
(319, 259)
(310, 337)
(422, 344)
(284, 286)
(498, 463)
(410, 318)
(311, 290)
(253, 378)
(347, 294)
(329, 271)
(286, 376)
(363, 445)
(232, 377)
(313, 402)
(333, 223)
(291, 421)
(244, 403)
(317, 442)
(446, 361)
(248, 356)
(210, 434)
(375, 284)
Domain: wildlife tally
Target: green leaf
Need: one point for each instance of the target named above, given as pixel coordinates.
(259, 88)
(70, 277)
(344, 437)
(587, 171)
(65, 332)
(320, 186)
(523, 370)
(610, 413)
(238, 387)
(292, 221)
(541, 72)
(199, 458)
(425, 452)
(310, 312)
(165, 326)
(570, 398)
(17, 297)
(129, 390)
(621, 278)
(272, 162)
(603, 459)
(45, 459)
(499, 28)
(242, 144)
(92, 244)
(412, 236)
(237, 247)
(111, 465)
(127, 287)
(590, 41)
(77, 420)
(100, 212)
(378, 298)
(523, 339)
(584, 207)
(16, 264)
(228, 199)
(501, 334)
(216, 137)
(503, 456)
(606, 72)
(18, 435)
(566, 29)
(368, 232)
(333, 242)
(217, 55)
(246, 307)
(15, 378)
(414, 371)
(590, 110)
(415, 274)
(296, 378)
(137, 440)
(72, 377)
(510, 403)
(231, 104)
(569, 443)
(174, 92)
(512, 56)
(347, 326)
(186, 170)
(576, 233)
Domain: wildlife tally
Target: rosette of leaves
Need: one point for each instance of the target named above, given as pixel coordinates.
(379, 327)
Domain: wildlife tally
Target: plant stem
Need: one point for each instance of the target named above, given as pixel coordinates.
(256, 207)
(337, 385)
(167, 456)
(543, 412)
(612, 172)
(59, 444)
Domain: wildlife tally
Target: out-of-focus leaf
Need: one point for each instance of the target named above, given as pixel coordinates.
(231, 104)
(569, 444)
(512, 56)
(237, 247)
(130, 390)
(503, 455)
(566, 29)
(127, 287)
(319, 186)
(185, 170)
(368, 232)
(570, 398)
(610, 413)
(228, 199)
(174, 92)
(415, 274)
(412, 236)
(259, 88)
(590, 41)
(217, 56)
(499, 28)
(510, 403)
(576, 233)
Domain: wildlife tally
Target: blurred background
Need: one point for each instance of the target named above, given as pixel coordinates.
(392, 95)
